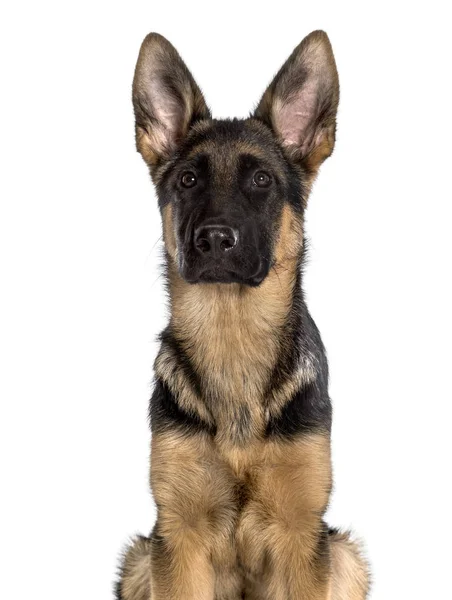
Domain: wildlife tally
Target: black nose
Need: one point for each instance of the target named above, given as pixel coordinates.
(215, 240)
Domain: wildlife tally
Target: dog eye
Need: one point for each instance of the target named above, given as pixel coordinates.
(188, 179)
(262, 179)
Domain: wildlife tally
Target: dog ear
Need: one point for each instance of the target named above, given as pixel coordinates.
(300, 104)
(166, 99)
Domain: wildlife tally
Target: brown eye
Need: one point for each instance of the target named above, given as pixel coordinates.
(262, 179)
(188, 179)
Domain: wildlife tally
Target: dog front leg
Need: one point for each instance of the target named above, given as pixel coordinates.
(181, 568)
(282, 523)
(194, 493)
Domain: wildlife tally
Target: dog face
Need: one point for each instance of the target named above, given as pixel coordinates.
(224, 185)
(226, 188)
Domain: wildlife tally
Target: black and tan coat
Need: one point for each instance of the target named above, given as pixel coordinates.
(240, 414)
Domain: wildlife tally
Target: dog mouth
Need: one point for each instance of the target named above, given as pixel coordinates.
(219, 273)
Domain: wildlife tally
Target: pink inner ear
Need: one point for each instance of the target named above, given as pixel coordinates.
(169, 114)
(295, 117)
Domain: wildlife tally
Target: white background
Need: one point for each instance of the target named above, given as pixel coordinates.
(82, 300)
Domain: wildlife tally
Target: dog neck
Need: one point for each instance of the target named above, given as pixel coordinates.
(232, 333)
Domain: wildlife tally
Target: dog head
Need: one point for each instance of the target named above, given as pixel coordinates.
(232, 192)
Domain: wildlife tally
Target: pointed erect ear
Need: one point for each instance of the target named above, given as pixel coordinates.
(300, 104)
(166, 99)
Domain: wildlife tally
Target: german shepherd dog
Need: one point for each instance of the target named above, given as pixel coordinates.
(240, 413)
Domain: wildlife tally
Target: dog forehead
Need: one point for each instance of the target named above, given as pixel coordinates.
(228, 144)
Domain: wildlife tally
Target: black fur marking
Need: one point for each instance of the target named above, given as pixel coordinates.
(242, 494)
(117, 590)
(183, 362)
(310, 407)
(323, 551)
(308, 410)
(166, 413)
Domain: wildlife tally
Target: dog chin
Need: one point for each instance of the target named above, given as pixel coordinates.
(223, 276)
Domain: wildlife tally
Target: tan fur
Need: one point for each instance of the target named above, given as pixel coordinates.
(194, 493)
(136, 571)
(349, 571)
(146, 145)
(289, 485)
(274, 537)
(194, 483)
(169, 236)
(348, 574)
